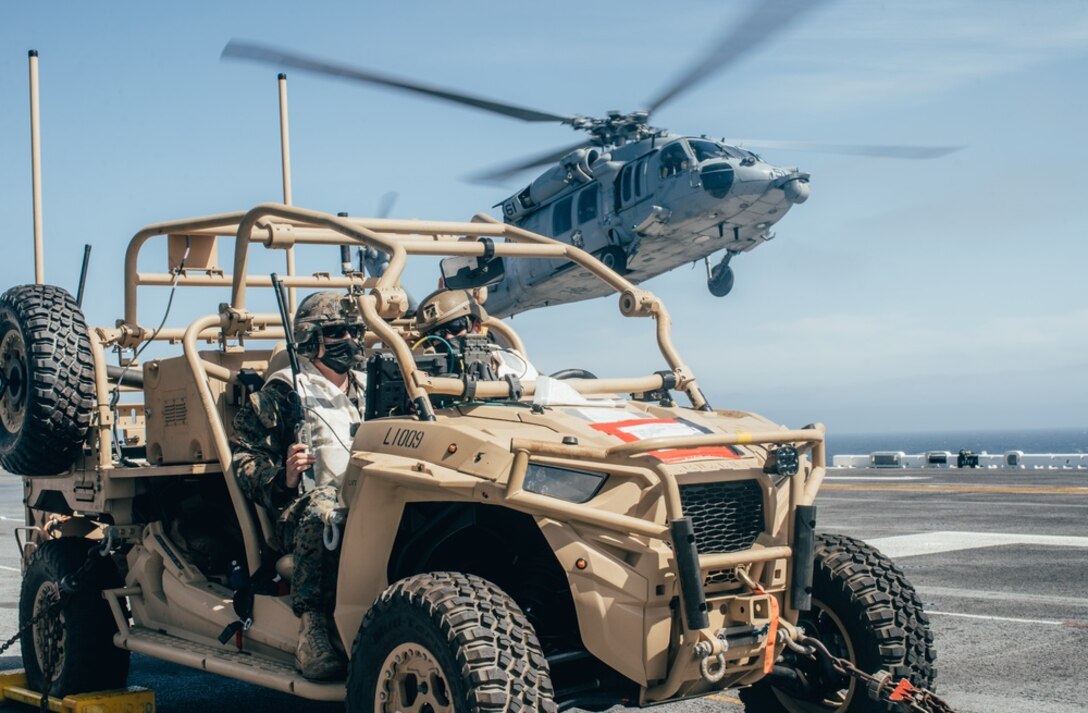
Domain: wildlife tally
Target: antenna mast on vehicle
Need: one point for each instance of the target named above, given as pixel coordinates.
(285, 157)
(36, 170)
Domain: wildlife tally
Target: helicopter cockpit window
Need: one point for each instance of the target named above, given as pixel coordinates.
(674, 159)
(705, 150)
(561, 222)
(626, 178)
(587, 204)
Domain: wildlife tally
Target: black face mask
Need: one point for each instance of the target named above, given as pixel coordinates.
(341, 356)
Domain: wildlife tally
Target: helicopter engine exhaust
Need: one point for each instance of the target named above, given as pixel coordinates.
(580, 161)
(572, 168)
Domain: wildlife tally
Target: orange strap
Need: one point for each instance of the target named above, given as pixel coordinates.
(772, 632)
(901, 691)
(772, 637)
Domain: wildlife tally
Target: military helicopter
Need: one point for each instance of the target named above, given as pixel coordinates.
(643, 200)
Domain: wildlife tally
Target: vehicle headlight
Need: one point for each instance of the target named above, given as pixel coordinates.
(782, 461)
(574, 486)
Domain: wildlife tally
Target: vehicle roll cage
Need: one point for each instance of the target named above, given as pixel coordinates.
(279, 226)
(381, 300)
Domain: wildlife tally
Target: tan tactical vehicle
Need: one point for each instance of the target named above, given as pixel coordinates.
(504, 545)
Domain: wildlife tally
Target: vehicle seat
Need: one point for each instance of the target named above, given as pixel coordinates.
(278, 360)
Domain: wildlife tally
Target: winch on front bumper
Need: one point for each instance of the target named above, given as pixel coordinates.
(737, 553)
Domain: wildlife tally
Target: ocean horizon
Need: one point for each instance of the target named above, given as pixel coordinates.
(1049, 440)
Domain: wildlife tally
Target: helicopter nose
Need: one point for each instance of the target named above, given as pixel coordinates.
(794, 185)
(796, 190)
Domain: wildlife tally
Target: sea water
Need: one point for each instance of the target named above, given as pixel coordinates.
(1060, 440)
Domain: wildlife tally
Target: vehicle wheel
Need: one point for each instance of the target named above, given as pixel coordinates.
(78, 638)
(864, 610)
(445, 642)
(47, 389)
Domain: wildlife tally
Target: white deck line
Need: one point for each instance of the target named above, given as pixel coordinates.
(929, 543)
(1047, 622)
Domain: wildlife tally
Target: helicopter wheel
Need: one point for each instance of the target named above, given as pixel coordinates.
(614, 258)
(720, 280)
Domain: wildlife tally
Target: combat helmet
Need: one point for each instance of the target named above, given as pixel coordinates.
(324, 309)
(444, 306)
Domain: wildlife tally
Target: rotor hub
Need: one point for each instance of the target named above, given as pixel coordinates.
(617, 128)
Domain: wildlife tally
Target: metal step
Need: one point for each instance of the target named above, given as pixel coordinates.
(225, 661)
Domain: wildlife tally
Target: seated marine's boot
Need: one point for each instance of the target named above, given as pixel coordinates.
(316, 658)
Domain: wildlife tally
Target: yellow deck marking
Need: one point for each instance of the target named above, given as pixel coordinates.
(725, 699)
(1026, 490)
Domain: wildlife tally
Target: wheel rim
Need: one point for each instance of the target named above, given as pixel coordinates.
(13, 381)
(823, 624)
(412, 681)
(48, 633)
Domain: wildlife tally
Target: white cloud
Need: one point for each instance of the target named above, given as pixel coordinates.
(860, 54)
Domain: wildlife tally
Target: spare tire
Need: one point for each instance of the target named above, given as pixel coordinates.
(47, 391)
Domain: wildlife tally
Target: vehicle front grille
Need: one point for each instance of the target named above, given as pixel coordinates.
(720, 576)
(726, 517)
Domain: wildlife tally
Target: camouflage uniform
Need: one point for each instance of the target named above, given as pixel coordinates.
(263, 431)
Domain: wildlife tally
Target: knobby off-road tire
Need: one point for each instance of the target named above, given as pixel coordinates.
(47, 378)
(81, 634)
(446, 642)
(865, 610)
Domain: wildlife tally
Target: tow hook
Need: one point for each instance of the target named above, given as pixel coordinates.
(711, 649)
(704, 650)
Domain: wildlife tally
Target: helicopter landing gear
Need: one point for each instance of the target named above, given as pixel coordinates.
(719, 279)
(613, 257)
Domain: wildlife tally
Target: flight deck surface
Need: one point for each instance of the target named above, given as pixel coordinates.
(1000, 558)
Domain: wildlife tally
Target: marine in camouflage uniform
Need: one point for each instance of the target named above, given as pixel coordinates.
(448, 314)
(264, 433)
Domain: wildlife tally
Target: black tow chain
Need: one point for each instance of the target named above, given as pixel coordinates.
(68, 586)
(880, 686)
(53, 607)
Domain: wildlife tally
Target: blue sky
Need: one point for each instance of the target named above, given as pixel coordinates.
(904, 295)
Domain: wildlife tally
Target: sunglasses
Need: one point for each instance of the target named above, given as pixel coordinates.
(461, 324)
(340, 331)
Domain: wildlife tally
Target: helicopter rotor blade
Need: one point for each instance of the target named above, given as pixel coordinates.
(907, 152)
(237, 49)
(501, 173)
(766, 20)
(385, 204)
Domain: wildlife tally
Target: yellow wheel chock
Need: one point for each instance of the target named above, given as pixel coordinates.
(134, 699)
